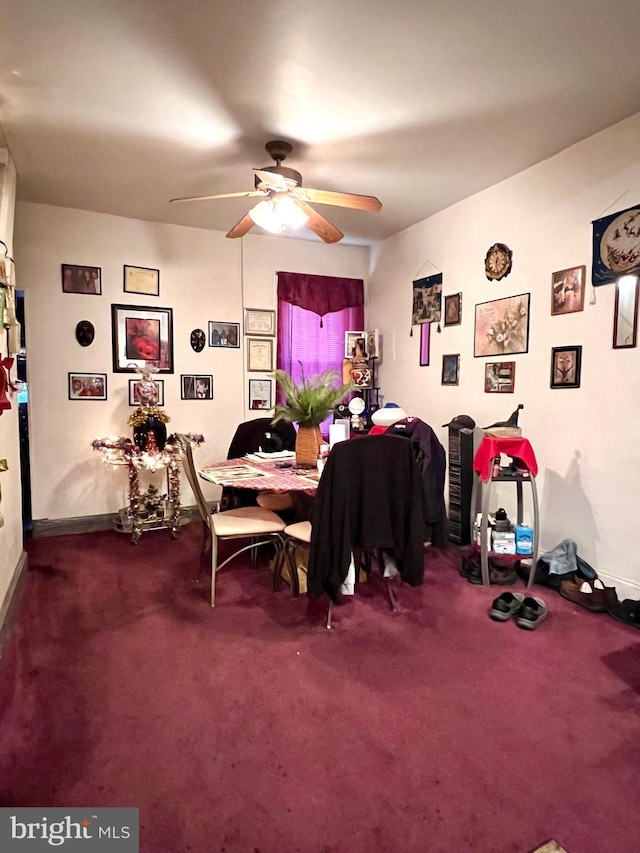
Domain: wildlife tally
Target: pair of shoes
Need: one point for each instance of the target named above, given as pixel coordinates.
(529, 612)
(588, 594)
(627, 611)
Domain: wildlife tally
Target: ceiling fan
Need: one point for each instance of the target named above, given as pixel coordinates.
(284, 201)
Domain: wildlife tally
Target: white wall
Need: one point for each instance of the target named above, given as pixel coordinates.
(203, 276)
(11, 506)
(585, 439)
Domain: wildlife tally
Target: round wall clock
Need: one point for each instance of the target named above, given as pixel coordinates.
(497, 263)
(198, 340)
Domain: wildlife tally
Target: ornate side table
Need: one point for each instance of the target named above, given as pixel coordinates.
(136, 518)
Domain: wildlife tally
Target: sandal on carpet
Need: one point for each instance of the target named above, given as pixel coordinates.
(505, 605)
(531, 613)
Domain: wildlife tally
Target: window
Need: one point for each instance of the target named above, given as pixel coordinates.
(314, 312)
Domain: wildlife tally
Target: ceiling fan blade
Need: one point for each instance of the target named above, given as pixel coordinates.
(357, 202)
(319, 225)
(242, 227)
(248, 194)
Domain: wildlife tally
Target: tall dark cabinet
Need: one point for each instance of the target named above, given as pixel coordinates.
(460, 458)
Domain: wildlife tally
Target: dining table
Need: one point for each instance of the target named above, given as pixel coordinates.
(262, 472)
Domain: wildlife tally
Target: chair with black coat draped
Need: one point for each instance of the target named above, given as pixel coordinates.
(251, 437)
(370, 499)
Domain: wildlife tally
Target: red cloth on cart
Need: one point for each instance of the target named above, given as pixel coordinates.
(490, 448)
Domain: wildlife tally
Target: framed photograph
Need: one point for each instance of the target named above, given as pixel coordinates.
(260, 391)
(355, 345)
(499, 377)
(425, 342)
(76, 279)
(567, 290)
(502, 326)
(259, 355)
(134, 388)
(453, 309)
(141, 280)
(141, 336)
(450, 369)
(196, 387)
(258, 322)
(565, 367)
(373, 344)
(87, 386)
(625, 317)
(224, 334)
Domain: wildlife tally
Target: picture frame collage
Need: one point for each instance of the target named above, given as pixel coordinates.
(143, 335)
(501, 328)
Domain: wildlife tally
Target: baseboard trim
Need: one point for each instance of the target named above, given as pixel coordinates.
(624, 588)
(11, 599)
(88, 523)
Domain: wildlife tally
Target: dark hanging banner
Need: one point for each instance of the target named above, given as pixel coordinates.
(616, 246)
(427, 300)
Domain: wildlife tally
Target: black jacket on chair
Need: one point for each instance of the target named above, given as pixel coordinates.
(432, 461)
(370, 495)
(248, 438)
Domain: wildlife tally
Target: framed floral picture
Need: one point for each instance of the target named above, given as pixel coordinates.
(141, 336)
(502, 326)
(566, 363)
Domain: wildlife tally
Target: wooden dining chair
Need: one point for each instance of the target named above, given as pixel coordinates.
(259, 525)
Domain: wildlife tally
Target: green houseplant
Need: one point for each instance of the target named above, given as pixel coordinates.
(308, 403)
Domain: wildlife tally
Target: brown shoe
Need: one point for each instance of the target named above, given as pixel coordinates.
(588, 594)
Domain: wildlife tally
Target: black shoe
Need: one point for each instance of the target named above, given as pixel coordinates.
(501, 577)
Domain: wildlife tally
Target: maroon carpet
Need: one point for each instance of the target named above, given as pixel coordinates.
(252, 728)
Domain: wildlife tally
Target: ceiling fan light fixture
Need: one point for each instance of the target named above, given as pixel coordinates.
(278, 214)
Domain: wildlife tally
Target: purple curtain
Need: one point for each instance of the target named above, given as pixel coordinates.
(304, 345)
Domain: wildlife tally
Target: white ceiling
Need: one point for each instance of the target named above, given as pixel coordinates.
(119, 105)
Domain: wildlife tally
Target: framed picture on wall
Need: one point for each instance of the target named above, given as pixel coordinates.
(87, 386)
(453, 309)
(567, 290)
(566, 363)
(196, 387)
(502, 326)
(134, 392)
(499, 377)
(224, 334)
(141, 336)
(259, 322)
(141, 280)
(77, 279)
(450, 369)
(259, 355)
(260, 392)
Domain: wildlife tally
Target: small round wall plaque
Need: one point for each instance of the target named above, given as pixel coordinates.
(198, 340)
(85, 333)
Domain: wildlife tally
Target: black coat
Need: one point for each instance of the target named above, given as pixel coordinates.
(370, 495)
(432, 461)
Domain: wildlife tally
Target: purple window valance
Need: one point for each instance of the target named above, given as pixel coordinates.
(322, 294)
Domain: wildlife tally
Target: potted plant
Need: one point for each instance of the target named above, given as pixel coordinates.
(308, 403)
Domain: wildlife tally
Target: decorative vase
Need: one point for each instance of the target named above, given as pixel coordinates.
(308, 443)
(154, 426)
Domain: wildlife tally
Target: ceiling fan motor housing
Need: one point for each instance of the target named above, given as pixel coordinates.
(290, 175)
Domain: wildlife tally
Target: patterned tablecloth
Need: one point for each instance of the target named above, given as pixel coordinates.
(268, 476)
